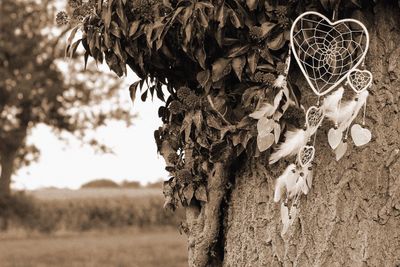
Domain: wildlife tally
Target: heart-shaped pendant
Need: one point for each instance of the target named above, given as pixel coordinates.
(340, 150)
(314, 117)
(360, 135)
(306, 155)
(359, 80)
(334, 137)
(327, 51)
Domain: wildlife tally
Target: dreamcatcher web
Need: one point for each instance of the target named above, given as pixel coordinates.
(325, 51)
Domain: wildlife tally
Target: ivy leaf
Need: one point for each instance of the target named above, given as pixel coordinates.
(198, 120)
(220, 68)
(203, 18)
(122, 16)
(265, 126)
(186, 15)
(201, 193)
(107, 15)
(266, 54)
(235, 20)
(203, 77)
(265, 142)
(238, 50)
(265, 110)
(107, 40)
(72, 35)
(252, 4)
(73, 48)
(115, 29)
(241, 137)
(188, 35)
(187, 125)
(266, 28)
(278, 99)
(238, 64)
(252, 59)
(144, 95)
(277, 132)
(277, 42)
(132, 90)
(188, 193)
(201, 56)
(133, 28)
(221, 16)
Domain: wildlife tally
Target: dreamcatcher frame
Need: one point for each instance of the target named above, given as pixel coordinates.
(361, 59)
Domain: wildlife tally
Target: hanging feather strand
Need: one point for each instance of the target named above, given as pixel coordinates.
(359, 100)
(286, 181)
(331, 102)
(294, 141)
(347, 111)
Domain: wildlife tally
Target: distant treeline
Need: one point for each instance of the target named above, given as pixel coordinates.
(107, 183)
(26, 212)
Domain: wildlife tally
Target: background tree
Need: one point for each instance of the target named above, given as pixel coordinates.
(220, 62)
(34, 90)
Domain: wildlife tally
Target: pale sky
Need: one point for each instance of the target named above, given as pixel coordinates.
(70, 166)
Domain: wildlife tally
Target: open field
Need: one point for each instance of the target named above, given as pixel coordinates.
(90, 228)
(148, 248)
(54, 210)
(87, 193)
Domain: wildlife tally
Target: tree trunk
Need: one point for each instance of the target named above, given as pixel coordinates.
(7, 168)
(351, 217)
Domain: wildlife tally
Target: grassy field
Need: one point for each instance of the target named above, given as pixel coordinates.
(90, 227)
(148, 248)
(90, 193)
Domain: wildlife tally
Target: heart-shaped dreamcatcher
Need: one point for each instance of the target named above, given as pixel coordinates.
(327, 53)
(359, 80)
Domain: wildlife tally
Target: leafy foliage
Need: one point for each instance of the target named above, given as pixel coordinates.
(219, 61)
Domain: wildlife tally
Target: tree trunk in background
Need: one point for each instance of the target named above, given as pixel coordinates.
(351, 217)
(7, 168)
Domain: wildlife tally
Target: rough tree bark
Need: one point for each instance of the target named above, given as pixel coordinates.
(351, 217)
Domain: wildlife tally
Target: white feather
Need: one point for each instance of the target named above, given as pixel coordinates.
(345, 122)
(299, 187)
(285, 218)
(286, 180)
(303, 183)
(347, 111)
(294, 141)
(309, 174)
(331, 102)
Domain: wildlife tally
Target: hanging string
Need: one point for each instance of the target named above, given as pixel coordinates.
(347, 133)
(315, 137)
(363, 119)
(337, 112)
(318, 100)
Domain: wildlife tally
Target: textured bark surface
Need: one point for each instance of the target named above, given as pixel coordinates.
(351, 217)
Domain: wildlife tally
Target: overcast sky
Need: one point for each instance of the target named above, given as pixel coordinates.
(135, 158)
